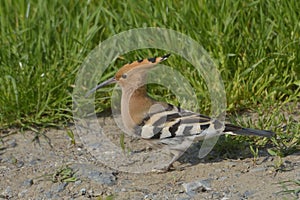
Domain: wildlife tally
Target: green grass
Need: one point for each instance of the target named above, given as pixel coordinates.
(62, 174)
(255, 44)
(290, 187)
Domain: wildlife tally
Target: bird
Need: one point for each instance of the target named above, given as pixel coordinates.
(160, 123)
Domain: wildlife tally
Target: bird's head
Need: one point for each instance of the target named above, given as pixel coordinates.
(132, 75)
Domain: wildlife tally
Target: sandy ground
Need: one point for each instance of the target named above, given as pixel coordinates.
(40, 170)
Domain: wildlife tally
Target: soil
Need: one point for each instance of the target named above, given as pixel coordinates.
(51, 166)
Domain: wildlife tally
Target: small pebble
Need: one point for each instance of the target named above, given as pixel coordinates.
(247, 194)
(83, 191)
(200, 185)
(20, 163)
(28, 183)
(106, 178)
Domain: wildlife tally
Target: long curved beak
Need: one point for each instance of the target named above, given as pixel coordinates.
(107, 82)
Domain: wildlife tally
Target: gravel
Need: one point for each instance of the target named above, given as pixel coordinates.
(27, 171)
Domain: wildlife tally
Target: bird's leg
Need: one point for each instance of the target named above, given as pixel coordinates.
(176, 150)
(166, 167)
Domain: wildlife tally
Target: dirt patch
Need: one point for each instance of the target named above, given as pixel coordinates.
(56, 169)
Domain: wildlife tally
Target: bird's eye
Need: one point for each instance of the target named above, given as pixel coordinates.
(124, 76)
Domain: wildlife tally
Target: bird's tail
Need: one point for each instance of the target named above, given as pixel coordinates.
(236, 130)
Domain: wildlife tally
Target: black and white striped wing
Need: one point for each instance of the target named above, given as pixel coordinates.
(172, 122)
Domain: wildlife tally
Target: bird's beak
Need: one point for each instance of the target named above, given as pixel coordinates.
(107, 82)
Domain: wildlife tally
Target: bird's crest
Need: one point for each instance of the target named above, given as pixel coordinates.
(143, 63)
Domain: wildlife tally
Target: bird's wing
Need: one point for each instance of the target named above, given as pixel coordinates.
(171, 121)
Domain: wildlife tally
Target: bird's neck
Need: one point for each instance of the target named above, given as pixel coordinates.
(135, 105)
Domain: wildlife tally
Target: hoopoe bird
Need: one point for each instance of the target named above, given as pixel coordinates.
(160, 122)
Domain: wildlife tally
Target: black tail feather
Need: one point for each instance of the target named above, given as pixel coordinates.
(229, 128)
